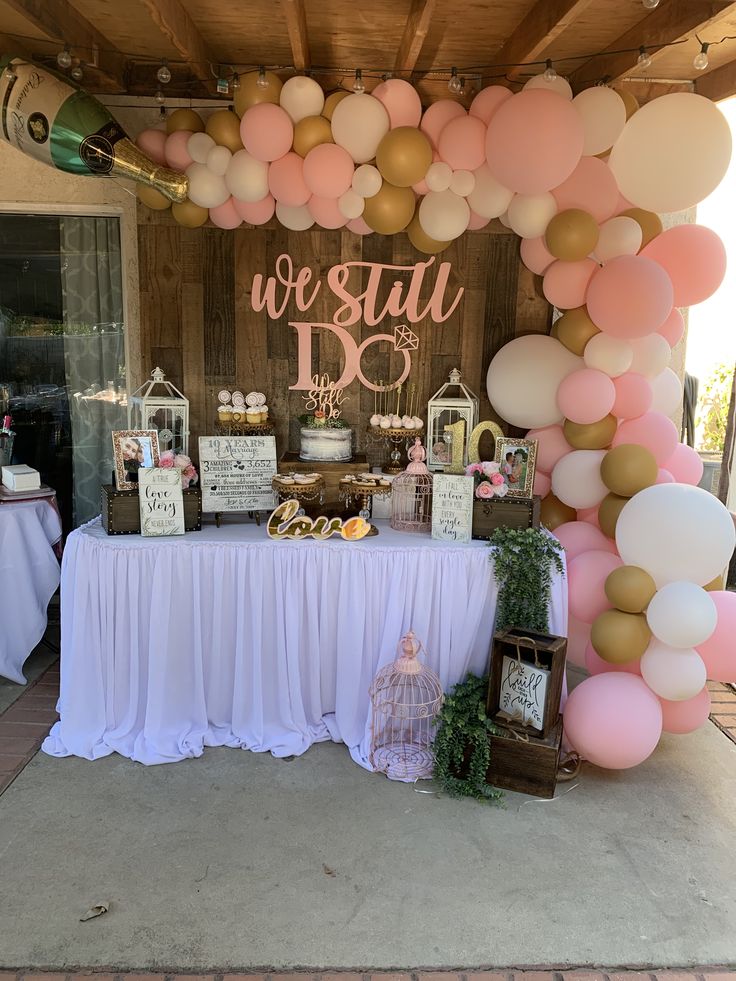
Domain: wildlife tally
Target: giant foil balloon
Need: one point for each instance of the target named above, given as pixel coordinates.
(523, 379)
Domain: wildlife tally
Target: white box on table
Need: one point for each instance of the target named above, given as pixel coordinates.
(21, 477)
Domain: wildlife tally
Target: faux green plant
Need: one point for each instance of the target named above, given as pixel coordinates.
(524, 561)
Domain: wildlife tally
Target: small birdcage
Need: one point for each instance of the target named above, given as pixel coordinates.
(406, 697)
(167, 411)
(453, 402)
(411, 493)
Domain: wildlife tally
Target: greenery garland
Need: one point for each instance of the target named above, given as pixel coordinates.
(524, 560)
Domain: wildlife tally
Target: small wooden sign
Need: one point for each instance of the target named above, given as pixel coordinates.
(235, 472)
(452, 507)
(161, 501)
(523, 692)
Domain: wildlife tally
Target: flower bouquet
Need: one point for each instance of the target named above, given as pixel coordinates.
(489, 480)
(182, 463)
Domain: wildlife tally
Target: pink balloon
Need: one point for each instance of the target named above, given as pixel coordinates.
(654, 431)
(534, 141)
(586, 396)
(685, 465)
(577, 537)
(153, 143)
(437, 117)
(326, 212)
(664, 477)
(633, 395)
(226, 215)
(578, 638)
(566, 283)
(535, 255)
(673, 329)
(358, 226)
(687, 716)
(590, 516)
(586, 576)
(590, 187)
(719, 650)
(267, 132)
(477, 221)
(328, 170)
(256, 212)
(286, 179)
(613, 720)
(177, 155)
(596, 665)
(422, 187)
(551, 446)
(487, 101)
(542, 484)
(462, 143)
(630, 296)
(622, 205)
(693, 257)
(400, 100)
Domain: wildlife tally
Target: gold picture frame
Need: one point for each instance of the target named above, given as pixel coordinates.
(145, 455)
(517, 459)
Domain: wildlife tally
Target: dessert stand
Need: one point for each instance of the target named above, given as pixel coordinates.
(354, 489)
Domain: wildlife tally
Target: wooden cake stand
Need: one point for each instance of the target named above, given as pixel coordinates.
(393, 437)
(363, 493)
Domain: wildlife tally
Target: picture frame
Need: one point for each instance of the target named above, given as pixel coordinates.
(133, 449)
(517, 459)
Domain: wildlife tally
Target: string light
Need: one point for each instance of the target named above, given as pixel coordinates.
(64, 57)
(236, 83)
(649, 4)
(643, 61)
(549, 72)
(454, 83)
(700, 61)
(163, 74)
(160, 97)
(358, 84)
(9, 74)
(77, 73)
(262, 81)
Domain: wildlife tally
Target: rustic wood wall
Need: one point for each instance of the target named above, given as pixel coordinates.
(198, 325)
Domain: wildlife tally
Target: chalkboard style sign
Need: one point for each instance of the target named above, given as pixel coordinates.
(161, 501)
(452, 507)
(235, 472)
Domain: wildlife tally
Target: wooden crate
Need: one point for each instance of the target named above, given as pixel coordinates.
(332, 472)
(518, 512)
(121, 511)
(525, 767)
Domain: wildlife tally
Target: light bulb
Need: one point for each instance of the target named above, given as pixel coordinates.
(236, 83)
(358, 84)
(64, 58)
(700, 61)
(454, 84)
(163, 74)
(262, 82)
(160, 97)
(643, 61)
(649, 4)
(549, 72)
(77, 73)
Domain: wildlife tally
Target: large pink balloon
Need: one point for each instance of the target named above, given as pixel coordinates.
(437, 116)
(267, 131)
(578, 638)
(153, 144)
(542, 484)
(654, 431)
(590, 187)
(551, 446)
(613, 720)
(462, 143)
(286, 179)
(693, 257)
(177, 154)
(534, 141)
(577, 537)
(673, 328)
(686, 716)
(328, 170)
(535, 255)
(400, 100)
(590, 516)
(719, 650)
(487, 101)
(633, 395)
(586, 396)
(326, 212)
(630, 296)
(566, 283)
(685, 465)
(226, 215)
(596, 664)
(476, 221)
(586, 576)
(256, 212)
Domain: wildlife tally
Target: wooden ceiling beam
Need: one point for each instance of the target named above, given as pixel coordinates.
(179, 29)
(296, 24)
(414, 36)
(537, 31)
(718, 84)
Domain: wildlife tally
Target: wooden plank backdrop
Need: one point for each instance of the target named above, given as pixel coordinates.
(198, 325)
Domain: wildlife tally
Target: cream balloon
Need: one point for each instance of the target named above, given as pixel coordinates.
(667, 389)
(351, 204)
(651, 355)
(199, 146)
(618, 236)
(206, 189)
(529, 214)
(682, 614)
(296, 219)
(462, 183)
(576, 479)
(443, 215)
(604, 116)
(523, 379)
(359, 123)
(557, 84)
(438, 176)
(218, 160)
(489, 199)
(301, 96)
(367, 180)
(671, 672)
(247, 178)
(608, 354)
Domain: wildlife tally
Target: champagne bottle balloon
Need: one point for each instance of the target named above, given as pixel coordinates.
(50, 119)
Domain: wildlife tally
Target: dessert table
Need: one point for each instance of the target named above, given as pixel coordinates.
(224, 637)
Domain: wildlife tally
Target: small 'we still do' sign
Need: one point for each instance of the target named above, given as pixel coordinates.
(161, 501)
(452, 507)
(523, 692)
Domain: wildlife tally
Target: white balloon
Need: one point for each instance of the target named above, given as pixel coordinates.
(301, 97)
(367, 181)
(359, 123)
(672, 153)
(462, 183)
(205, 188)
(438, 176)
(604, 116)
(676, 532)
(199, 146)
(504, 219)
(529, 214)
(682, 614)
(443, 215)
(489, 199)
(297, 219)
(351, 204)
(576, 479)
(523, 379)
(618, 236)
(667, 389)
(672, 673)
(557, 84)
(608, 354)
(246, 177)
(651, 354)
(218, 160)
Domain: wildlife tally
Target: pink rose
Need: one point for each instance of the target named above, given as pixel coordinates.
(182, 461)
(473, 468)
(166, 459)
(490, 468)
(496, 479)
(484, 490)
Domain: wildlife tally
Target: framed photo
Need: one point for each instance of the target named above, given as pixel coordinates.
(517, 459)
(133, 449)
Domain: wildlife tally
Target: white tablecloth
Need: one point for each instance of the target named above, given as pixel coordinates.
(226, 638)
(29, 577)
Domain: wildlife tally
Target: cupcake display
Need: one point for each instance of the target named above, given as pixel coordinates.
(242, 412)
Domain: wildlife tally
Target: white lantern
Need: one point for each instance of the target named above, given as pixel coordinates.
(158, 404)
(449, 405)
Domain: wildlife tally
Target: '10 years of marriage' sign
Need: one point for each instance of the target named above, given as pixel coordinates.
(236, 472)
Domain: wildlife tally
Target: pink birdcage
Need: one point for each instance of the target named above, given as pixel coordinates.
(411, 493)
(406, 697)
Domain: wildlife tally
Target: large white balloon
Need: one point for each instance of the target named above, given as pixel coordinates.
(651, 354)
(604, 116)
(676, 532)
(523, 379)
(667, 389)
(557, 84)
(672, 153)
(576, 479)
(618, 236)
(301, 97)
(205, 188)
(529, 214)
(682, 614)
(218, 160)
(443, 215)
(199, 146)
(297, 219)
(247, 178)
(608, 354)
(359, 123)
(489, 199)
(673, 673)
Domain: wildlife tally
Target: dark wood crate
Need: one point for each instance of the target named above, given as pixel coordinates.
(518, 512)
(525, 767)
(121, 511)
(332, 472)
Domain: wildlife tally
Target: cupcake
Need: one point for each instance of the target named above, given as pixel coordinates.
(264, 412)
(253, 415)
(225, 414)
(238, 415)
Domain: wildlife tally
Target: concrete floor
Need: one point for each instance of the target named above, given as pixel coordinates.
(239, 861)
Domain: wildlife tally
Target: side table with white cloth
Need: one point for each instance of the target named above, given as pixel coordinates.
(224, 637)
(29, 577)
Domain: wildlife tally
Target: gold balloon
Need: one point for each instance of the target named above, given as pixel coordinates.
(224, 128)
(572, 235)
(594, 436)
(404, 156)
(152, 198)
(390, 210)
(184, 119)
(630, 101)
(251, 93)
(189, 214)
(651, 224)
(608, 512)
(715, 584)
(422, 242)
(628, 469)
(332, 101)
(619, 637)
(553, 512)
(574, 329)
(310, 132)
(630, 588)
